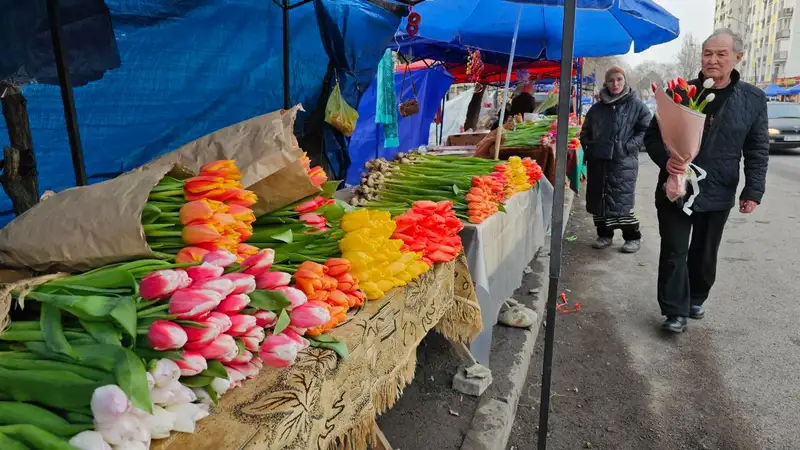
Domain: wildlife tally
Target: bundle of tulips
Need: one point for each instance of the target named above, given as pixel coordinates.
(514, 175)
(484, 198)
(332, 285)
(185, 219)
(376, 260)
(549, 138)
(533, 170)
(432, 229)
(316, 173)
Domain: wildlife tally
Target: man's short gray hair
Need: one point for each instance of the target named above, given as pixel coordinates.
(738, 42)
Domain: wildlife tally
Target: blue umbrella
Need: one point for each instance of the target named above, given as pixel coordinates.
(602, 27)
(773, 90)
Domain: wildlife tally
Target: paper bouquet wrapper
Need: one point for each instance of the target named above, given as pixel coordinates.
(682, 132)
(84, 227)
(266, 152)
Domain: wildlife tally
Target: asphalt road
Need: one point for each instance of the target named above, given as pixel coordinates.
(732, 382)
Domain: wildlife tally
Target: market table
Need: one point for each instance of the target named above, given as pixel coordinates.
(324, 403)
(498, 250)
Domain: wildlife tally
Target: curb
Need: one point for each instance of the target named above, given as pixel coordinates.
(512, 348)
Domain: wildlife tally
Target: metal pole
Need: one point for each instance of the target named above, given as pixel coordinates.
(70, 116)
(441, 121)
(557, 237)
(508, 82)
(287, 101)
(579, 94)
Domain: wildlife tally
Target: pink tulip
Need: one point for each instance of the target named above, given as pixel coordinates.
(266, 319)
(204, 271)
(192, 364)
(193, 303)
(242, 283)
(258, 263)
(220, 320)
(309, 315)
(233, 304)
(296, 296)
(242, 358)
(310, 205)
(221, 285)
(219, 258)
(160, 284)
(251, 342)
(246, 369)
(273, 280)
(278, 351)
(298, 339)
(221, 347)
(200, 337)
(166, 335)
(314, 220)
(241, 323)
(235, 376)
(255, 332)
(256, 361)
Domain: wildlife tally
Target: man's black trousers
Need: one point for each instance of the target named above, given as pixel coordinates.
(687, 264)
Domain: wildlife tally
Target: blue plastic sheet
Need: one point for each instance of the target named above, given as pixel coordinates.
(190, 68)
(602, 27)
(367, 141)
(773, 90)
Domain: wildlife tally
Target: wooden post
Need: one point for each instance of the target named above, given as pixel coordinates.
(20, 177)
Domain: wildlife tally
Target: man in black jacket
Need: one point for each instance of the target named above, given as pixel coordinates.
(736, 128)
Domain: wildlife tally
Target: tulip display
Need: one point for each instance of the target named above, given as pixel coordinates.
(316, 173)
(431, 229)
(514, 176)
(186, 219)
(484, 198)
(330, 286)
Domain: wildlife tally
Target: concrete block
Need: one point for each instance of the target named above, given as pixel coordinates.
(472, 386)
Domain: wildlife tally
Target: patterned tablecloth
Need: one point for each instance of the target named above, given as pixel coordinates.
(323, 403)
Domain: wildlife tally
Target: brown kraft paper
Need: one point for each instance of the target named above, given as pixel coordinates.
(83, 227)
(266, 152)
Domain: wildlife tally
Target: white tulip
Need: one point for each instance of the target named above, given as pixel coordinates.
(184, 394)
(89, 440)
(202, 396)
(164, 371)
(710, 97)
(121, 430)
(708, 83)
(186, 416)
(220, 385)
(109, 403)
(131, 445)
(164, 395)
(161, 423)
(151, 382)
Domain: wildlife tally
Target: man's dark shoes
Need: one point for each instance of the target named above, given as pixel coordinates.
(674, 324)
(697, 312)
(631, 246)
(602, 242)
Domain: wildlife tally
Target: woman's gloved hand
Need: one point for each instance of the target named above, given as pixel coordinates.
(675, 168)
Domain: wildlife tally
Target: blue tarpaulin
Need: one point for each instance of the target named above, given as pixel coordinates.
(773, 90)
(367, 141)
(190, 68)
(602, 27)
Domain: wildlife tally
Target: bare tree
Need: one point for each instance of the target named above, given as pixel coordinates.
(688, 58)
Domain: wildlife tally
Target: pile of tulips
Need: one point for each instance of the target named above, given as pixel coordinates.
(376, 259)
(515, 175)
(186, 219)
(331, 285)
(430, 228)
(533, 170)
(483, 198)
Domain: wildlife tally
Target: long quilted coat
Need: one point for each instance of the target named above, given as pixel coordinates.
(612, 137)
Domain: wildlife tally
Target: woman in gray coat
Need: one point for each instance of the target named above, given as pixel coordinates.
(612, 136)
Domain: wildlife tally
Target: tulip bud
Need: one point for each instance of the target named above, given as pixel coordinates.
(337, 266)
(314, 220)
(198, 211)
(186, 415)
(242, 358)
(204, 271)
(273, 280)
(246, 369)
(161, 423)
(233, 304)
(692, 92)
(224, 345)
(296, 296)
(708, 83)
(266, 319)
(166, 335)
(235, 376)
(192, 363)
(220, 320)
(89, 440)
(677, 98)
(301, 342)
(241, 323)
(243, 283)
(278, 351)
(164, 371)
(200, 233)
(190, 254)
(246, 250)
(193, 303)
(255, 332)
(251, 342)
(220, 385)
(200, 337)
(242, 213)
(224, 168)
(219, 258)
(160, 284)
(310, 205)
(654, 86)
(243, 198)
(309, 315)
(109, 403)
(258, 263)
(710, 97)
(223, 286)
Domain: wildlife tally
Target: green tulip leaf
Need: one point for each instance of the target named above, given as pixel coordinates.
(85, 307)
(285, 236)
(125, 314)
(268, 300)
(330, 343)
(212, 393)
(282, 322)
(149, 354)
(456, 190)
(329, 188)
(150, 213)
(215, 370)
(112, 278)
(53, 331)
(6, 443)
(197, 381)
(501, 207)
(131, 376)
(240, 345)
(102, 332)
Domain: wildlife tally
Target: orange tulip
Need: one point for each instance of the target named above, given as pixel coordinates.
(242, 213)
(203, 183)
(318, 176)
(201, 233)
(190, 255)
(242, 198)
(305, 161)
(223, 220)
(225, 168)
(337, 266)
(338, 298)
(346, 282)
(202, 209)
(244, 231)
(310, 269)
(245, 250)
(320, 295)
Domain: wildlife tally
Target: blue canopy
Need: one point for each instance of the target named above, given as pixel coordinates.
(794, 89)
(602, 27)
(773, 90)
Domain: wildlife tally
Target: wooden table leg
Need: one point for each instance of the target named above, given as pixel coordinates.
(381, 443)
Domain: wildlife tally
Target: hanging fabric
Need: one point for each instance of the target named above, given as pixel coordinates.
(410, 106)
(385, 104)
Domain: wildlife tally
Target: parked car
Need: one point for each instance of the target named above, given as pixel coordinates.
(784, 125)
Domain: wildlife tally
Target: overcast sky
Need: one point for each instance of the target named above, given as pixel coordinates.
(696, 17)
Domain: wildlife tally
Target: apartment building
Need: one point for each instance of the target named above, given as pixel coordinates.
(771, 36)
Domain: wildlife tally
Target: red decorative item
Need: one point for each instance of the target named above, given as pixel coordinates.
(474, 66)
(412, 30)
(414, 20)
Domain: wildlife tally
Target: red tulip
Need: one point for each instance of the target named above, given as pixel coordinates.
(683, 84)
(166, 335)
(243, 283)
(671, 85)
(193, 303)
(256, 332)
(204, 271)
(692, 92)
(243, 357)
(278, 351)
(258, 263)
(654, 86)
(295, 296)
(224, 346)
(200, 337)
(273, 280)
(161, 284)
(677, 98)
(190, 255)
(241, 323)
(310, 205)
(265, 319)
(192, 364)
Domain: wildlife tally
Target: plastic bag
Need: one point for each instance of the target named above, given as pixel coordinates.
(339, 114)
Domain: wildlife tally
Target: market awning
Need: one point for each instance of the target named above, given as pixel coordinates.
(492, 73)
(773, 90)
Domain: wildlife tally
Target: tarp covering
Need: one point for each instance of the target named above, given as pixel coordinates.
(367, 141)
(602, 27)
(493, 73)
(773, 90)
(190, 68)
